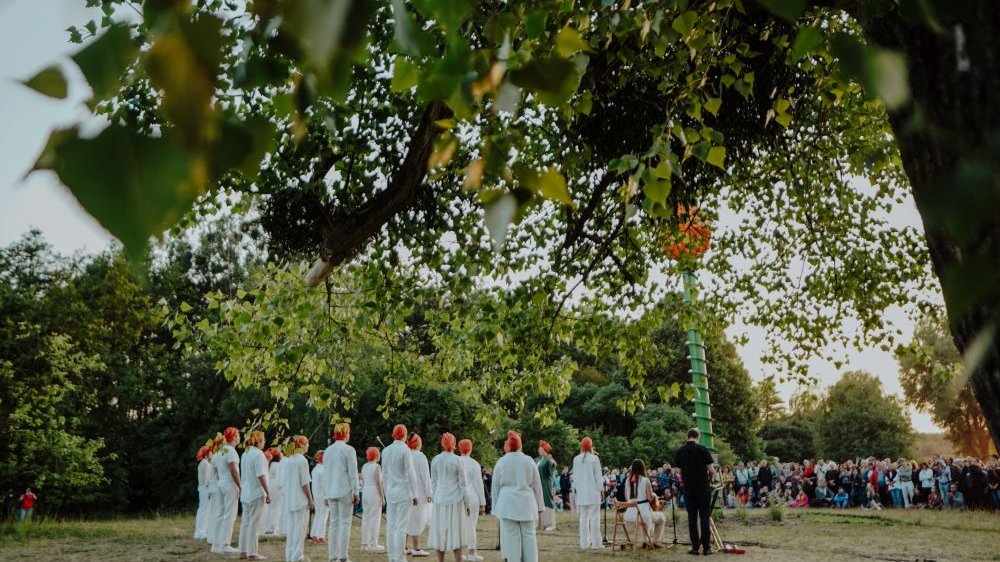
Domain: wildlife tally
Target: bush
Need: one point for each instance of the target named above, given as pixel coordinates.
(777, 511)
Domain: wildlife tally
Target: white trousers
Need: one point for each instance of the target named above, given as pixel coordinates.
(201, 517)
(655, 522)
(547, 518)
(253, 515)
(907, 488)
(371, 517)
(341, 512)
(518, 540)
(230, 506)
(590, 526)
(275, 513)
(295, 534)
(397, 516)
(471, 521)
(318, 530)
(213, 515)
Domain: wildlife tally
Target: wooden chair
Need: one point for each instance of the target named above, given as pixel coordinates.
(620, 522)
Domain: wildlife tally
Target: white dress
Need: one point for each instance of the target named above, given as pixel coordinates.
(371, 515)
(420, 513)
(450, 504)
(654, 520)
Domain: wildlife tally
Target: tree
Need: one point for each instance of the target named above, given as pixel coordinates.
(790, 439)
(857, 419)
(930, 370)
(766, 397)
(636, 108)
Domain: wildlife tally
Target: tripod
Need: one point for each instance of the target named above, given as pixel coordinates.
(604, 534)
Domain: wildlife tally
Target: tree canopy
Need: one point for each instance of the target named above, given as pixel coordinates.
(419, 132)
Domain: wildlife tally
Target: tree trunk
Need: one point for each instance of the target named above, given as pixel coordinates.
(949, 140)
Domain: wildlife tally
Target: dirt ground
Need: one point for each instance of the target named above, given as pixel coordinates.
(803, 535)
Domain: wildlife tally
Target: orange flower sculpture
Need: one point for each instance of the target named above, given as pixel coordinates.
(687, 237)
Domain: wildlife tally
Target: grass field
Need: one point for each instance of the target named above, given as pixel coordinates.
(822, 535)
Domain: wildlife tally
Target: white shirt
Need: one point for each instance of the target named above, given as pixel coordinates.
(318, 483)
(274, 476)
(222, 460)
(204, 475)
(398, 478)
(475, 490)
(213, 477)
(368, 477)
(448, 479)
(296, 474)
(253, 466)
(422, 470)
(517, 488)
(341, 470)
(587, 479)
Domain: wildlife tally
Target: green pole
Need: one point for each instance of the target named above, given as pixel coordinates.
(699, 372)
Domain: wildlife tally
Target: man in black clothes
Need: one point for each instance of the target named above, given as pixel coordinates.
(696, 467)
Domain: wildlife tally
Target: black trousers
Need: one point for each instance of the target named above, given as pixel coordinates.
(697, 503)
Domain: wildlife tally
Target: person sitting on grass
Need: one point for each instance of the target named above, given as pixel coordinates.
(840, 500)
(871, 498)
(956, 499)
(822, 497)
(742, 498)
(934, 500)
(801, 500)
(765, 497)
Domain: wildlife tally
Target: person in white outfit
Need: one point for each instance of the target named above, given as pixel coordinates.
(204, 476)
(298, 499)
(588, 484)
(372, 500)
(639, 499)
(421, 512)
(318, 530)
(254, 496)
(227, 464)
(517, 501)
(450, 504)
(400, 492)
(214, 512)
(341, 475)
(274, 523)
(475, 493)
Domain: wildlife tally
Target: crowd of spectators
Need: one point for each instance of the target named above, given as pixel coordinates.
(867, 483)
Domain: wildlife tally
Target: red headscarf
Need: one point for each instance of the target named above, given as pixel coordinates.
(372, 454)
(299, 443)
(319, 456)
(399, 432)
(231, 434)
(465, 446)
(448, 442)
(269, 454)
(513, 441)
(544, 445)
(254, 438)
(202, 451)
(341, 431)
(415, 442)
(586, 445)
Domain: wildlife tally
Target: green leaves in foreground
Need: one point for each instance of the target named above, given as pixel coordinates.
(104, 61)
(143, 190)
(50, 82)
(881, 72)
(551, 80)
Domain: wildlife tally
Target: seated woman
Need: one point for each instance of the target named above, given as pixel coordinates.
(801, 500)
(638, 499)
(742, 497)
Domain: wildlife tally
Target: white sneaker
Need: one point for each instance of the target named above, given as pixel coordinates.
(228, 550)
(419, 553)
(378, 548)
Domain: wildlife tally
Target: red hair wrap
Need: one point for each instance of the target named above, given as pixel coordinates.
(465, 446)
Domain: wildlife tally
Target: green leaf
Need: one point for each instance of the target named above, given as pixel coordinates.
(569, 41)
(142, 190)
(447, 13)
(717, 157)
(534, 24)
(552, 185)
(657, 190)
(684, 23)
(807, 39)
(552, 80)
(405, 75)
(185, 307)
(713, 105)
(50, 82)
(409, 37)
(788, 9)
(784, 119)
(499, 214)
(104, 61)
(890, 77)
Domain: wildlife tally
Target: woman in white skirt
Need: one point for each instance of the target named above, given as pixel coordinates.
(372, 500)
(449, 504)
(639, 498)
(517, 501)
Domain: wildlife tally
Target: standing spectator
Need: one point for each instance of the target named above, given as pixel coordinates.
(727, 485)
(993, 482)
(905, 472)
(892, 480)
(765, 479)
(27, 499)
(926, 477)
(943, 479)
(565, 488)
(697, 468)
(8, 504)
(975, 485)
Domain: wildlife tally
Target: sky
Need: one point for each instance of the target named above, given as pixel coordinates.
(35, 36)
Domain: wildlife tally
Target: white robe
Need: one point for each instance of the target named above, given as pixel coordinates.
(275, 511)
(475, 493)
(295, 475)
(517, 500)
(201, 517)
(318, 530)
(588, 483)
(420, 514)
(341, 473)
(450, 504)
(399, 483)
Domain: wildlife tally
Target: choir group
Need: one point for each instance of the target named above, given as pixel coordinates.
(278, 493)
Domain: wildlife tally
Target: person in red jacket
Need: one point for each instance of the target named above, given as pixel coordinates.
(27, 499)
